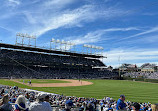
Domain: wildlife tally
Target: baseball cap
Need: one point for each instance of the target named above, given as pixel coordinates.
(122, 95)
(41, 95)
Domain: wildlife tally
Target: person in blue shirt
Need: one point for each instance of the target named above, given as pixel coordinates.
(120, 103)
(68, 104)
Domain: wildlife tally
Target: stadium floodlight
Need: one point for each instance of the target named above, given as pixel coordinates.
(101, 48)
(89, 46)
(68, 43)
(53, 40)
(63, 42)
(98, 47)
(18, 34)
(23, 35)
(72, 44)
(58, 41)
(26, 35)
(93, 46)
(32, 37)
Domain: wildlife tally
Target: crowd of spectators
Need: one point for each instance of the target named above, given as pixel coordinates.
(15, 99)
(22, 64)
(146, 75)
(52, 73)
(45, 59)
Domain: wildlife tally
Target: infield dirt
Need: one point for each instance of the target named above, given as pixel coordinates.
(72, 83)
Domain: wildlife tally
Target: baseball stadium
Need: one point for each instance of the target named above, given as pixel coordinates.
(67, 76)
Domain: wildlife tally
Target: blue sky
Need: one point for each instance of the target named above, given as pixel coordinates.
(125, 28)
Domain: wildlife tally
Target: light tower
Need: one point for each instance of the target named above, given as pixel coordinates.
(52, 41)
(25, 38)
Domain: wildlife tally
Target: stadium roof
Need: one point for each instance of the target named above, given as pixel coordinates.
(47, 50)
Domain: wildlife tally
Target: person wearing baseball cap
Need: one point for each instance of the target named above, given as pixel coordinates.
(120, 103)
(136, 107)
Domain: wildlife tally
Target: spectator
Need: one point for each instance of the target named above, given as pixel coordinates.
(68, 104)
(39, 104)
(20, 104)
(154, 107)
(135, 107)
(47, 98)
(4, 105)
(120, 103)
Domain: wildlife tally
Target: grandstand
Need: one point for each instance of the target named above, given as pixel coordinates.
(32, 62)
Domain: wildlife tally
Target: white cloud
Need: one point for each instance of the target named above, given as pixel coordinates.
(150, 14)
(56, 4)
(50, 20)
(133, 56)
(13, 2)
(154, 29)
(91, 37)
(96, 36)
(7, 29)
(30, 17)
(55, 20)
(53, 14)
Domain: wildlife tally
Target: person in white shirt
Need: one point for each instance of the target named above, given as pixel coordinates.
(20, 104)
(40, 104)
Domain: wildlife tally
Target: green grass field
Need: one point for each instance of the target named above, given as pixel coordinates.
(42, 81)
(134, 91)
